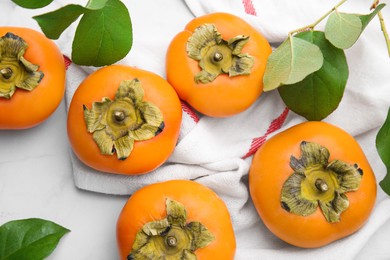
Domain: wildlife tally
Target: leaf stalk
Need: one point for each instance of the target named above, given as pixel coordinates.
(311, 26)
(383, 26)
(385, 33)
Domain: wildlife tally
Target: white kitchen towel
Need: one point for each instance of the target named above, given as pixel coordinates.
(217, 152)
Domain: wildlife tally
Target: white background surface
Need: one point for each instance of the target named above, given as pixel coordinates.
(35, 170)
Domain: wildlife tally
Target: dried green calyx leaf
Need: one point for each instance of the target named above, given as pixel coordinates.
(316, 182)
(15, 70)
(117, 123)
(172, 237)
(217, 56)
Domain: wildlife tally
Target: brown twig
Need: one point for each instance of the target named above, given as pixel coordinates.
(383, 26)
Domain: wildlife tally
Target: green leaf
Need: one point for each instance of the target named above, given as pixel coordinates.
(32, 4)
(291, 62)
(96, 4)
(383, 148)
(320, 93)
(29, 239)
(366, 19)
(54, 23)
(103, 36)
(343, 29)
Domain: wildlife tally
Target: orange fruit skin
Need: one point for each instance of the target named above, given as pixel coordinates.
(201, 203)
(146, 155)
(270, 169)
(225, 96)
(27, 109)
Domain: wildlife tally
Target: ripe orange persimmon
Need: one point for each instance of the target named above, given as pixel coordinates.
(173, 219)
(312, 184)
(32, 77)
(217, 64)
(124, 120)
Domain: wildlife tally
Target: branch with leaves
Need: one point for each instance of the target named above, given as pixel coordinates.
(103, 35)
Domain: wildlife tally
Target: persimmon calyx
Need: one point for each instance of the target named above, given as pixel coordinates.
(15, 70)
(172, 237)
(116, 124)
(216, 55)
(318, 182)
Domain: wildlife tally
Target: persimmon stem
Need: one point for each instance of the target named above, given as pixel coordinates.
(321, 185)
(217, 57)
(171, 241)
(311, 26)
(6, 73)
(119, 116)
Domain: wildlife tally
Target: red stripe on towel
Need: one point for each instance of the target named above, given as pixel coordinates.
(67, 61)
(188, 110)
(249, 8)
(276, 124)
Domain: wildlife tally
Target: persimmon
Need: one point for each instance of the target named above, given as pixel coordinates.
(312, 184)
(176, 219)
(217, 63)
(32, 77)
(124, 120)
